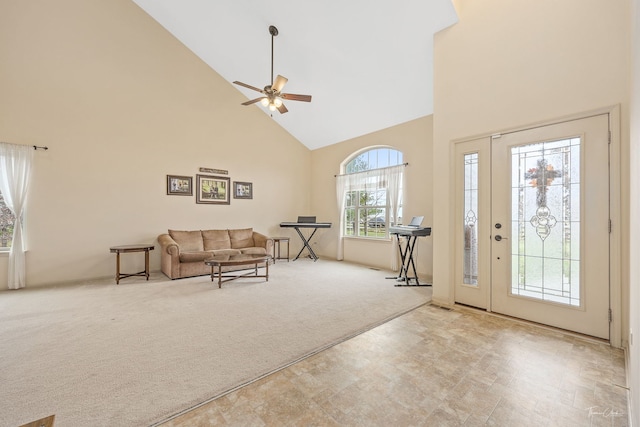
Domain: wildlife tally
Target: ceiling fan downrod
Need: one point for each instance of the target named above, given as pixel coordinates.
(274, 32)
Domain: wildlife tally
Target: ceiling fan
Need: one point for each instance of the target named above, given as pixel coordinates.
(272, 94)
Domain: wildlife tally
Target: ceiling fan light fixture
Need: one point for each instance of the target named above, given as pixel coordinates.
(273, 96)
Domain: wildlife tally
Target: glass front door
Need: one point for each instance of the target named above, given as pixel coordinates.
(532, 233)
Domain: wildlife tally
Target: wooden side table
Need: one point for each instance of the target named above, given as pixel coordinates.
(277, 240)
(123, 249)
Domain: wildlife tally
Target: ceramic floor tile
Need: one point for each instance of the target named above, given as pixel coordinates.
(437, 367)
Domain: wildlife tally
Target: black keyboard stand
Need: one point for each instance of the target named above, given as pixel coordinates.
(305, 243)
(406, 262)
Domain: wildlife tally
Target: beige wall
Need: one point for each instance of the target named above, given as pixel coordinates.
(414, 139)
(634, 322)
(120, 103)
(507, 64)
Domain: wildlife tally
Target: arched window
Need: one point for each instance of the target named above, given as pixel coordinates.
(370, 192)
(375, 158)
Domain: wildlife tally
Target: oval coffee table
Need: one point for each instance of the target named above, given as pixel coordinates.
(235, 260)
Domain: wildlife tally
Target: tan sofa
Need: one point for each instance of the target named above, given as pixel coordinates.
(182, 253)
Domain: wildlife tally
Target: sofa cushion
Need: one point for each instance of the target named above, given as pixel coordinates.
(254, 251)
(201, 256)
(241, 238)
(216, 239)
(195, 256)
(187, 240)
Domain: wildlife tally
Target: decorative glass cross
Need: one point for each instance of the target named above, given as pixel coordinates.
(542, 177)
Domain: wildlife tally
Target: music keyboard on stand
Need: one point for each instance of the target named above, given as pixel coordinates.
(409, 230)
(306, 241)
(411, 233)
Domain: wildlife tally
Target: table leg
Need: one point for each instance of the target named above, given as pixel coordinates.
(117, 268)
(220, 276)
(266, 271)
(288, 248)
(146, 263)
(275, 257)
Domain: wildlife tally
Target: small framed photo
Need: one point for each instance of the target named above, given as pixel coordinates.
(180, 185)
(242, 190)
(212, 189)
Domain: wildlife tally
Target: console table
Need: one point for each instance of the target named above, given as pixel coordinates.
(123, 249)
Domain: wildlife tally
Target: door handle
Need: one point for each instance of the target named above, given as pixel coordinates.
(499, 238)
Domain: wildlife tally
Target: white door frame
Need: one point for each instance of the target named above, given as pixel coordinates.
(615, 253)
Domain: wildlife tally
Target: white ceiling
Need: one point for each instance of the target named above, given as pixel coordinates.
(367, 63)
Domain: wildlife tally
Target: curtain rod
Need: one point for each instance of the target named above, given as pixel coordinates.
(386, 167)
(35, 147)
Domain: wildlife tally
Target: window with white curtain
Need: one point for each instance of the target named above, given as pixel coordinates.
(369, 205)
(15, 170)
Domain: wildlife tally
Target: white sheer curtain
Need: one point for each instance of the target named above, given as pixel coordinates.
(391, 178)
(15, 169)
(394, 177)
(342, 183)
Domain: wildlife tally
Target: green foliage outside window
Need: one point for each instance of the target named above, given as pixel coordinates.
(365, 213)
(6, 224)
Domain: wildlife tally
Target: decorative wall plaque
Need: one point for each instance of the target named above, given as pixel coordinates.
(218, 171)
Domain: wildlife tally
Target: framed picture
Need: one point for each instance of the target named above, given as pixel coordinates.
(180, 185)
(242, 190)
(212, 189)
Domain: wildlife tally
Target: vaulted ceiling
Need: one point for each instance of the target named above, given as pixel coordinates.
(367, 63)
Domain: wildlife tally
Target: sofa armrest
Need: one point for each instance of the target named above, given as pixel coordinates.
(168, 245)
(169, 256)
(262, 241)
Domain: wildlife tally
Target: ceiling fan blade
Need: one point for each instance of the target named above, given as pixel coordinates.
(279, 83)
(248, 86)
(282, 109)
(253, 101)
(294, 97)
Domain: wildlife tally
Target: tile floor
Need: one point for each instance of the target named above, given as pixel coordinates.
(437, 367)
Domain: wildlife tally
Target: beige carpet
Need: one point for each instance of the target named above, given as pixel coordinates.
(132, 355)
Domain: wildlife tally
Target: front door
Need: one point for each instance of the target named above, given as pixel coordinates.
(547, 226)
